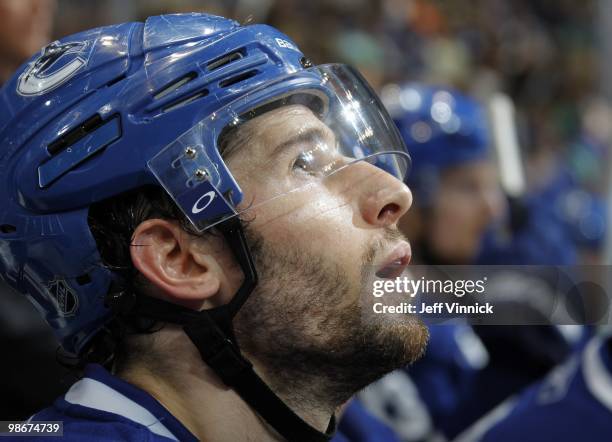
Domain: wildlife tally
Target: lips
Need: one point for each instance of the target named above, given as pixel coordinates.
(396, 262)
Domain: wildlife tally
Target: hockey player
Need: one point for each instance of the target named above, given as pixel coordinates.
(193, 207)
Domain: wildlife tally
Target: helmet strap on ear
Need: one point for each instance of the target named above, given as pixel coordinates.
(211, 331)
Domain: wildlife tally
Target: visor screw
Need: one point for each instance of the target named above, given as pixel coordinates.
(201, 174)
(305, 62)
(190, 153)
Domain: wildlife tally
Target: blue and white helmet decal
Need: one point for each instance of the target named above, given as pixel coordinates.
(56, 64)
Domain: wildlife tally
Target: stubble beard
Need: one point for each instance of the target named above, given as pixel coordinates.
(304, 325)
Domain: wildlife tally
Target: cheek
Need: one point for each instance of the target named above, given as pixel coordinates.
(313, 220)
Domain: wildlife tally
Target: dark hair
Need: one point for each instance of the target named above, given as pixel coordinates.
(112, 223)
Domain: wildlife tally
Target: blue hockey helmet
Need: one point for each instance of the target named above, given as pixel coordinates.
(116, 108)
(442, 128)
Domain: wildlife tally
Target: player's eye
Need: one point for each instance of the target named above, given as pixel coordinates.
(310, 161)
(303, 162)
(315, 159)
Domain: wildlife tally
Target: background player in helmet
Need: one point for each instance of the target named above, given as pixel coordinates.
(190, 190)
(454, 177)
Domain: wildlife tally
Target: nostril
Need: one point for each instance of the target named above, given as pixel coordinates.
(389, 210)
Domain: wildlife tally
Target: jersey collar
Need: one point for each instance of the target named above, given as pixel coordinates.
(102, 391)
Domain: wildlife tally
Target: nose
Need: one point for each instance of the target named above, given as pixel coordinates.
(382, 198)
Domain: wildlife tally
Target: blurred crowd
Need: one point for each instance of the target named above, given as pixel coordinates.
(544, 55)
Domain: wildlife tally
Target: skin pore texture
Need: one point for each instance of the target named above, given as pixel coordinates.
(302, 326)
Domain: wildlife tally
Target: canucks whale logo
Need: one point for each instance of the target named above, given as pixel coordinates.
(56, 63)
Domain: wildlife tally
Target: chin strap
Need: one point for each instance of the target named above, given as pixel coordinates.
(212, 333)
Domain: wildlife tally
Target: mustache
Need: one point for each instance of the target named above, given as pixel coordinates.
(389, 236)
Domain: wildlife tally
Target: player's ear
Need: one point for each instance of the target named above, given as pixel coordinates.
(171, 260)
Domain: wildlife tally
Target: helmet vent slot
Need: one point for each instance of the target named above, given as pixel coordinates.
(8, 228)
(226, 59)
(77, 146)
(184, 101)
(75, 134)
(237, 78)
(174, 85)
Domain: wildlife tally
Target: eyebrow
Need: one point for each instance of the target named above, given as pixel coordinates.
(308, 135)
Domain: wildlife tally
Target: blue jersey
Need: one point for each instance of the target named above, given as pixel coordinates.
(102, 407)
(573, 403)
(358, 425)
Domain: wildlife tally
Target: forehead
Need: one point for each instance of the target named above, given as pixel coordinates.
(260, 135)
(276, 121)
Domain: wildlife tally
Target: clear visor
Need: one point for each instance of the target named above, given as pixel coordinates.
(295, 132)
